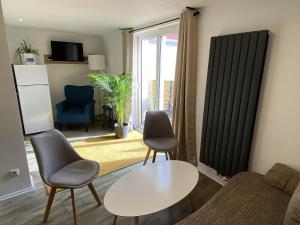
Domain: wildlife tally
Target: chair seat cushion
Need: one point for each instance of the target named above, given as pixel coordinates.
(74, 115)
(161, 144)
(75, 175)
(75, 110)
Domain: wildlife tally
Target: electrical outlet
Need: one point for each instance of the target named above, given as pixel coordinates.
(14, 172)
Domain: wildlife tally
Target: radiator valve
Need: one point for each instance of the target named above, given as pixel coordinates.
(14, 172)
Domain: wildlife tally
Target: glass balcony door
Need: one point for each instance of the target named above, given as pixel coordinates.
(168, 52)
(149, 95)
(155, 65)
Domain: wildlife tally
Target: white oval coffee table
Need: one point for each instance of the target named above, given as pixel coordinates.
(150, 189)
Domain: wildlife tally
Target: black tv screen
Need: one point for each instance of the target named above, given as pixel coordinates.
(66, 51)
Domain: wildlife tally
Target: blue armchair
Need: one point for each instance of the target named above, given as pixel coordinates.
(78, 108)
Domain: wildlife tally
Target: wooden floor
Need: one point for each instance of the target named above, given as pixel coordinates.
(29, 208)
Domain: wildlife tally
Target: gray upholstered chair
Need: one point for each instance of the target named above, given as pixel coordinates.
(158, 135)
(61, 167)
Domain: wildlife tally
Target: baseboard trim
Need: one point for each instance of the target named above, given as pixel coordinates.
(20, 192)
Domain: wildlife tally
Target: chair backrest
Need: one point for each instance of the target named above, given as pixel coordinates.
(52, 152)
(157, 125)
(79, 95)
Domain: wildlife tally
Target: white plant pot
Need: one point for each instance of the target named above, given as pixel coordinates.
(29, 59)
(121, 132)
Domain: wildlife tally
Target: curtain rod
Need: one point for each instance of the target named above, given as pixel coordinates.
(168, 21)
(154, 25)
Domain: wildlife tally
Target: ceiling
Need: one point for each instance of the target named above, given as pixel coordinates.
(91, 16)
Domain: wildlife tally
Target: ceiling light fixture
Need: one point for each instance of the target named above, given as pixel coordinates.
(21, 19)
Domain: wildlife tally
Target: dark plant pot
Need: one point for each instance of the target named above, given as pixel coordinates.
(121, 132)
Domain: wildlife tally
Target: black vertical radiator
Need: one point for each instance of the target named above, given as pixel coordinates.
(235, 69)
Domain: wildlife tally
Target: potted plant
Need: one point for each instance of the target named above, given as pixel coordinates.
(26, 53)
(117, 90)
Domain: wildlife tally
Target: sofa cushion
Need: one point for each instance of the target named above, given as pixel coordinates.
(292, 216)
(283, 177)
(246, 200)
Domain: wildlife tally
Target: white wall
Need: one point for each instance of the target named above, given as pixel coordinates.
(113, 51)
(58, 74)
(11, 137)
(276, 136)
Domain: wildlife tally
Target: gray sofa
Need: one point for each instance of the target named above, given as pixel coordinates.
(253, 199)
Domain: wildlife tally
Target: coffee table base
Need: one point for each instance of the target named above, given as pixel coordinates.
(115, 220)
(183, 178)
(192, 203)
(135, 220)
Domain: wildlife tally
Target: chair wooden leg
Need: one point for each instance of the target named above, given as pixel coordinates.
(166, 154)
(92, 189)
(147, 156)
(115, 220)
(170, 156)
(154, 157)
(73, 207)
(49, 204)
(175, 154)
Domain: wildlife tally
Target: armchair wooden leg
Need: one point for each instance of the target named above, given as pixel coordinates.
(73, 207)
(49, 204)
(60, 126)
(154, 157)
(92, 189)
(147, 156)
(87, 127)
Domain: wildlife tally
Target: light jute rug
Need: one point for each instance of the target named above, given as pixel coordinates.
(112, 153)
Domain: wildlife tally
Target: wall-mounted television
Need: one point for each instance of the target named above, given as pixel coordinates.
(66, 51)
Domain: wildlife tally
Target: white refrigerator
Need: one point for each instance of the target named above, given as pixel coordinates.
(34, 97)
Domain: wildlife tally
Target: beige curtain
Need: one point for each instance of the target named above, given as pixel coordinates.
(185, 87)
(127, 68)
(127, 50)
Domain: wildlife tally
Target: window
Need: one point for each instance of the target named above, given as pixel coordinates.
(154, 70)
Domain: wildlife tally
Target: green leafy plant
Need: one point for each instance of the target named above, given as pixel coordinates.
(26, 47)
(117, 90)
